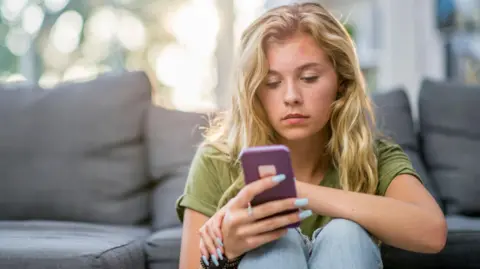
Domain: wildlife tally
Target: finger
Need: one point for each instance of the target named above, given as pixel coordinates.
(253, 189)
(271, 208)
(275, 207)
(209, 244)
(216, 229)
(273, 223)
(204, 252)
(239, 217)
(259, 240)
(219, 245)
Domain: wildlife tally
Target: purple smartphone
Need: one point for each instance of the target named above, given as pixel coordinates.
(263, 161)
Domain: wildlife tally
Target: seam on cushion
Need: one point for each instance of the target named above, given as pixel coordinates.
(117, 247)
(97, 258)
(429, 128)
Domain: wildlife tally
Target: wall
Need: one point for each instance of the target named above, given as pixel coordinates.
(411, 47)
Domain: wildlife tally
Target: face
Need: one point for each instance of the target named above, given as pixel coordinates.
(299, 90)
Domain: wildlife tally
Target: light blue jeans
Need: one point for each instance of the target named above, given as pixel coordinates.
(339, 244)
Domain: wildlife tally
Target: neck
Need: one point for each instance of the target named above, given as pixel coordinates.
(308, 157)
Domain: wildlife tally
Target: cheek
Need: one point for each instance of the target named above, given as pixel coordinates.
(266, 105)
(269, 102)
(322, 99)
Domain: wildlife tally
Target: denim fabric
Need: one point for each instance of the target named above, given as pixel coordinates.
(339, 244)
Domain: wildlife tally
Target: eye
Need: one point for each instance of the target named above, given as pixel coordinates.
(310, 79)
(272, 84)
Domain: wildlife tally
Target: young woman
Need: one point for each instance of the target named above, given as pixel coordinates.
(298, 83)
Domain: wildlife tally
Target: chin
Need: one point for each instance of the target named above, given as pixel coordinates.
(296, 135)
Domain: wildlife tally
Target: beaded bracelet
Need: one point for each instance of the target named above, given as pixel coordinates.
(223, 264)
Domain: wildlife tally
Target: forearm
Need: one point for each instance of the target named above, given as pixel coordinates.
(397, 223)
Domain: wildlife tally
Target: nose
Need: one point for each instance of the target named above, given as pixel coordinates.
(292, 95)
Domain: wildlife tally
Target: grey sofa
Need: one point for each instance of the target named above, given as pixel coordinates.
(89, 174)
(444, 145)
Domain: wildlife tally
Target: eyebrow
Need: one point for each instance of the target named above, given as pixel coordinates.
(300, 68)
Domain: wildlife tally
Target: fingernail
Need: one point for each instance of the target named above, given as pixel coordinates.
(220, 255)
(301, 202)
(219, 241)
(305, 214)
(205, 260)
(278, 178)
(215, 260)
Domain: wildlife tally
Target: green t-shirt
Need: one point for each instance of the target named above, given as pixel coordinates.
(209, 178)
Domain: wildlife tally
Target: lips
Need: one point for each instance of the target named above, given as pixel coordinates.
(295, 116)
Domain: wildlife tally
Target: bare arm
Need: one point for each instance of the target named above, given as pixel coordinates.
(407, 217)
(190, 252)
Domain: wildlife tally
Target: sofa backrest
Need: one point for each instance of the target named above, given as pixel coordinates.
(449, 115)
(172, 138)
(395, 122)
(75, 152)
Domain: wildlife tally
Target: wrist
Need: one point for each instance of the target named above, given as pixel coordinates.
(232, 256)
(300, 187)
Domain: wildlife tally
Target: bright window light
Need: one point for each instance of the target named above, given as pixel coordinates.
(55, 5)
(80, 73)
(12, 78)
(18, 41)
(32, 19)
(49, 80)
(195, 25)
(65, 35)
(102, 25)
(11, 9)
(131, 32)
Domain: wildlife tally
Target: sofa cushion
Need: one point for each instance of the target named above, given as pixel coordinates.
(75, 152)
(457, 223)
(394, 120)
(461, 250)
(163, 248)
(449, 116)
(172, 137)
(68, 245)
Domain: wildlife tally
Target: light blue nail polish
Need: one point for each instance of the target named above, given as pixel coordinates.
(219, 241)
(215, 260)
(301, 202)
(305, 214)
(205, 260)
(220, 255)
(278, 178)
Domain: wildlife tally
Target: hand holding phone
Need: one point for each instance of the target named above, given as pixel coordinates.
(270, 189)
(260, 162)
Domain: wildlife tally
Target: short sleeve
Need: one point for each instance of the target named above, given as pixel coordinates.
(392, 161)
(203, 187)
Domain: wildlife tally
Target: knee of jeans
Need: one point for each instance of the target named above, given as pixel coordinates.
(344, 231)
(285, 252)
(292, 241)
(349, 238)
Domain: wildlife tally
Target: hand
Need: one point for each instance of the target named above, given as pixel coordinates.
(243, 232)
(211, 244)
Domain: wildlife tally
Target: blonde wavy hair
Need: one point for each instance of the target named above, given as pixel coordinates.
(351, 126)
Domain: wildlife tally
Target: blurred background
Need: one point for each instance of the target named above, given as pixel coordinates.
(187, 46)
